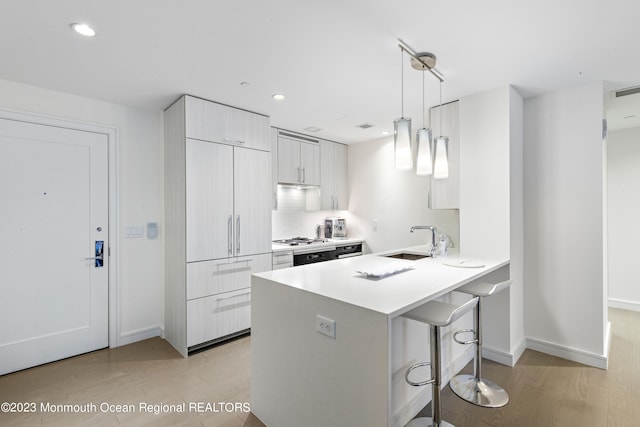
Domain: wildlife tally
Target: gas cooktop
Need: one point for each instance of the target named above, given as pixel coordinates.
(296, 241)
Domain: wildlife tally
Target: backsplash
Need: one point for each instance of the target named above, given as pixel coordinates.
(291, 223)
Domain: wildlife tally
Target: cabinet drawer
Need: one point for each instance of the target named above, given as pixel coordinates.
(210, 121)
(218, 315)
(224, 275)
(282, 259)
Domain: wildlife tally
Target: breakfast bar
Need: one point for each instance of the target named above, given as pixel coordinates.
(329, 347)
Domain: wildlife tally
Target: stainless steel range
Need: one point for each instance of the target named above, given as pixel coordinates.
(298, 241)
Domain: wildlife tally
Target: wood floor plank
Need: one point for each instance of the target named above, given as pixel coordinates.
(544, 390)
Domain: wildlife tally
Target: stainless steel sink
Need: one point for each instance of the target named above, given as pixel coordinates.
(407, 255)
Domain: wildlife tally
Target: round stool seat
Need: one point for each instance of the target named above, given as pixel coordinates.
(483, 289)
(438, 313)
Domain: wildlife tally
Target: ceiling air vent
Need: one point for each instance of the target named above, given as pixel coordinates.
(628, 91)
(365, 126)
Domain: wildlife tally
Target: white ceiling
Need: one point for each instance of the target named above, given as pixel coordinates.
(337, 61)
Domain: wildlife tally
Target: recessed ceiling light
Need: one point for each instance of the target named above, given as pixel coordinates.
(385, 132)
(245, 83)
(278, 96)
(629, 117)
(312, 129)
(83, 29)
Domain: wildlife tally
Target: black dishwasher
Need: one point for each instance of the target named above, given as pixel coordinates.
(317, 255)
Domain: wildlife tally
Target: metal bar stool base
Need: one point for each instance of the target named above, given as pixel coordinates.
(427, 422)
(483, 393)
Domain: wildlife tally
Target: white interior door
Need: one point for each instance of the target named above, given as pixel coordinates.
(53, 210)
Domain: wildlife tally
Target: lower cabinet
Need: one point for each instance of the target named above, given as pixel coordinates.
(217, 316)
(219, 297)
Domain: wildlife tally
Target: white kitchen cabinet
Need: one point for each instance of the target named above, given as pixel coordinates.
(445, 193)
(298, 159)
(226, 197)
(252, 201)
(224, 275)
(219, 297)
(209, 200)
(218, 316)
(218, 225)
(210, 121)
(333, 175)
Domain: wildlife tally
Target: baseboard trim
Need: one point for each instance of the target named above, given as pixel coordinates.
(140, 334)
(568, 353)
(624, 304)
(607, 343)
(504, 358)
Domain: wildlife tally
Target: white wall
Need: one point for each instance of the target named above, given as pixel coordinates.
(396, 200)
(491, 218)
(563, 199)
(140, 281)
(623, 170)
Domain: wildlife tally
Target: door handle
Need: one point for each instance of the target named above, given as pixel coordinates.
(299, 180)
(230, 234)
(99, 251)
(304, 175)
(238, 235)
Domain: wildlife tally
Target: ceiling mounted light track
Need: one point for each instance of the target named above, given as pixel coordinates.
(423, 61)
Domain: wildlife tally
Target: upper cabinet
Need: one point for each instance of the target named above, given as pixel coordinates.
(210, 121)
(333, 175)
(445, 193)
(298, 159)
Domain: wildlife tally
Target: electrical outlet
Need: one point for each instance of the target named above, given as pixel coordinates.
(374, 225)
(326, 326)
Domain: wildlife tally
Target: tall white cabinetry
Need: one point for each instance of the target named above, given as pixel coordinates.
(445, 193)
(333, 175)
(218, 219)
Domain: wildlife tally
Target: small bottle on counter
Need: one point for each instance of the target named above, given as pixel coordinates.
(442, 246)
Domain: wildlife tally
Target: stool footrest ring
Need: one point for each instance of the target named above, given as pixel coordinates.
(415, 366)
(464, 331)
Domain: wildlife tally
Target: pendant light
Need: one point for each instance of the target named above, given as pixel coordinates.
(441, 163)
(424, 164)
(402, 130)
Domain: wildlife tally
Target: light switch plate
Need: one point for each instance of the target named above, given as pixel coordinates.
(134, 232)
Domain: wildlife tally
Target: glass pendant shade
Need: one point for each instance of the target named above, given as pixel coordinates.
(424, 161)
(402, 143)
(441, 163)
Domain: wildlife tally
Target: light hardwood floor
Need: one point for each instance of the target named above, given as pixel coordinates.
(544, 390)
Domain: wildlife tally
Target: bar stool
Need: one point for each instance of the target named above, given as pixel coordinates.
(473, 388)
(436, 314)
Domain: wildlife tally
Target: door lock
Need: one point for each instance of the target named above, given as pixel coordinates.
(99, 251)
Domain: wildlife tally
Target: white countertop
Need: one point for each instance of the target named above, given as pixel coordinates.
(391, 295)
(279, 247)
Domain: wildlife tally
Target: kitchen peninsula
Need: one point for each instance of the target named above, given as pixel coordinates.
(351, 373)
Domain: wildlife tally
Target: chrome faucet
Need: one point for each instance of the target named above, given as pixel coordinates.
(433, 236)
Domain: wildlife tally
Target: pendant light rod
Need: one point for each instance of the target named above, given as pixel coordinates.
(401, 84)
(405, 47)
